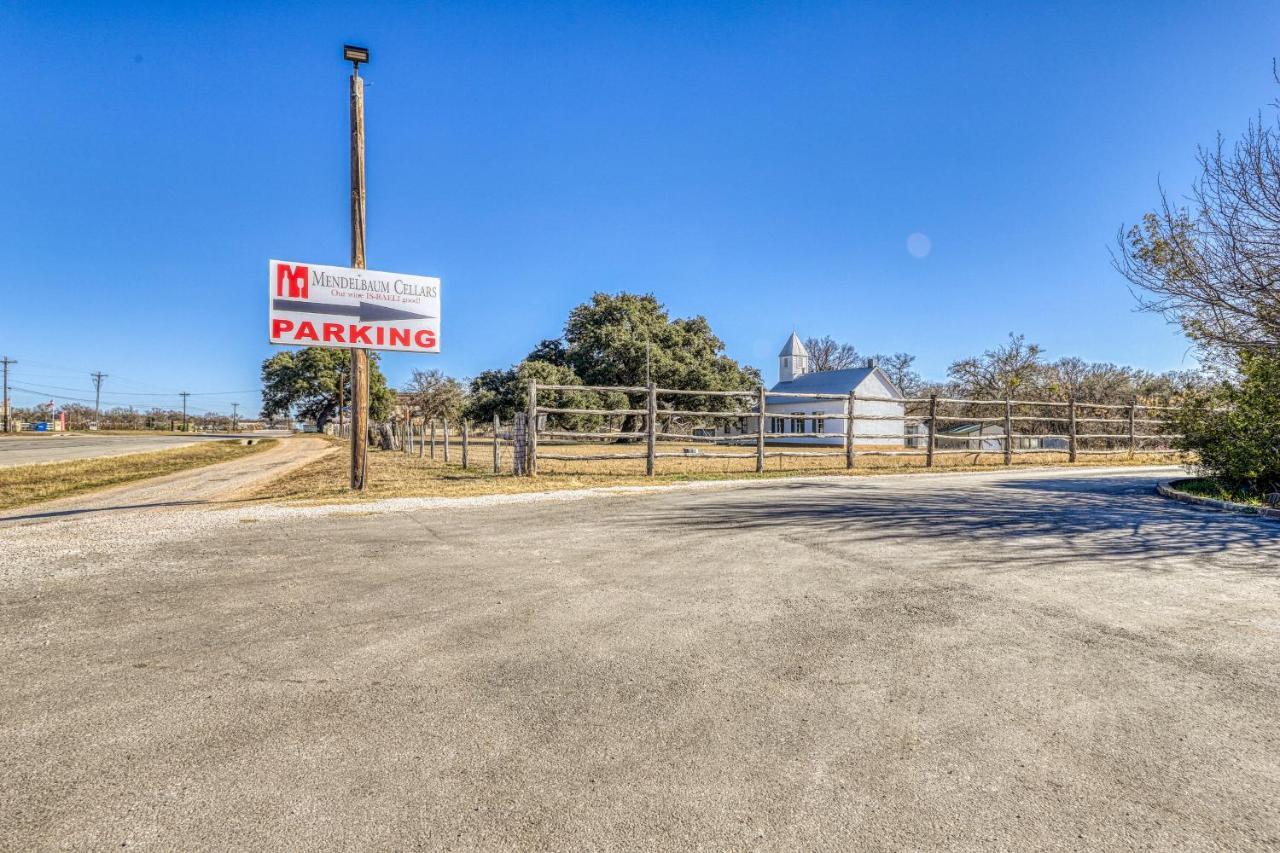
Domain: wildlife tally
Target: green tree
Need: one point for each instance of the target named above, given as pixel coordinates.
(1235, 430)
(616, 340)
(620, 339)
(306, 382)
(506, 392)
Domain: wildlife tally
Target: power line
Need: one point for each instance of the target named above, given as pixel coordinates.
(97, 396)
(43, 393)
(6, 361)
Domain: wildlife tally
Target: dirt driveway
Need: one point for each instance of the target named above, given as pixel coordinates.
(1006, 661)
(219, 483)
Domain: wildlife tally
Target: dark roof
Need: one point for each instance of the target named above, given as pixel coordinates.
(830, 382)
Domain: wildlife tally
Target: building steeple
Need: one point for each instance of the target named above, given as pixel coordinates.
(793, 361)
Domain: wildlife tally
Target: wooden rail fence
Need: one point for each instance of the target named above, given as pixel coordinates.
(1071, 428)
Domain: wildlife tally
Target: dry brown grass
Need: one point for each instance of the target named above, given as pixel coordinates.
(29, 484)
(396, 474)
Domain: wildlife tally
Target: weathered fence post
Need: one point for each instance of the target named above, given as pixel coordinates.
(848, 429)
(1008, 431)
(760, 431)
(497, 452)
(651, 431)
(446, 439)
(1133, 432)
(1072, 451)
(422, 438)
(465, 460)
(933, 430)
(531, 431)
(519, 444)
(433, 438)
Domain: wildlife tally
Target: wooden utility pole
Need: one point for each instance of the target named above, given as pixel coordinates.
(184, 395)
(359, 357)
(465, 446)
(97, 395)
(6, 361)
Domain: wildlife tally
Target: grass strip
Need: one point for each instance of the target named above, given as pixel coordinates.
(394, 474)
(28, 484)
(1205, 487)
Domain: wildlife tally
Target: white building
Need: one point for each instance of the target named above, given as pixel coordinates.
(878, 421)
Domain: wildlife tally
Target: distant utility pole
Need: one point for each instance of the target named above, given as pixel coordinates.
(235, 416)
(184, 395)
(97, 396)
(6, 361)
(359, 357)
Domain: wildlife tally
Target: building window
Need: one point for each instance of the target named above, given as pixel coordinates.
(819, 425)
(797, 423)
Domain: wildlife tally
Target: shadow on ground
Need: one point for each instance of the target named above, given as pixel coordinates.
(1057, 520)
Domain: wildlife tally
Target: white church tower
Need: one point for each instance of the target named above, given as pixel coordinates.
(793, 361)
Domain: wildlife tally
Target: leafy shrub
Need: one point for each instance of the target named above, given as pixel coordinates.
(1235, 430)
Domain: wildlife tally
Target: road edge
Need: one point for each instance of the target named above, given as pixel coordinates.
(1167, 490)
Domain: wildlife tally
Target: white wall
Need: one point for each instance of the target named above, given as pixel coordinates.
(864, 430)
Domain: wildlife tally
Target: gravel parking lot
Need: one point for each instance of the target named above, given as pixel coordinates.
(1007, 661)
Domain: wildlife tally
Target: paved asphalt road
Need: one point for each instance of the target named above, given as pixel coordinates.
(57, 447)
(1008, 661)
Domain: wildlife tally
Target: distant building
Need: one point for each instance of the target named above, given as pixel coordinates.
(988, 438)
(877, 421)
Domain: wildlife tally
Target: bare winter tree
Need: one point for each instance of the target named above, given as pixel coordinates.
(435, 395)
(899, 368)
(999, 372)
(1096, 382)
(1213, 266)
(826, 353)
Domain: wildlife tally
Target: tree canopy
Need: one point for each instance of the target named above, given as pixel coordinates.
(307, 382)
(1015, 369)
(616, 340)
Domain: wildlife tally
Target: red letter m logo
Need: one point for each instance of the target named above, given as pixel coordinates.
(296, 277)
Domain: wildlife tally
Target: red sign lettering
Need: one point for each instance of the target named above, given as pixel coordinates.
(296, 278)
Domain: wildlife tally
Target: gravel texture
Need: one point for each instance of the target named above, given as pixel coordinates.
(1004, 661)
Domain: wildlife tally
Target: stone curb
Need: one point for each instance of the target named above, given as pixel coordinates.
(1167, 490)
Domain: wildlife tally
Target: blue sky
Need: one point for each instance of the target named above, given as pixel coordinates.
(762, 164)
